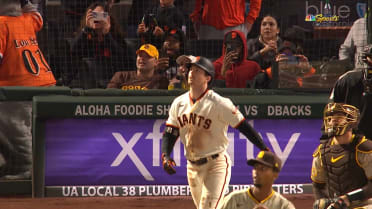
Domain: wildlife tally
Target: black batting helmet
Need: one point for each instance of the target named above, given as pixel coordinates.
(206, 65)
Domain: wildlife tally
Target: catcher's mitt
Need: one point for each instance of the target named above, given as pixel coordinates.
(168, 164)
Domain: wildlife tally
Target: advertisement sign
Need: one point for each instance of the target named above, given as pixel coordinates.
(127, 151)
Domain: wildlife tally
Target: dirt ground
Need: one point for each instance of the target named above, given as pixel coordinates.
(300, 201)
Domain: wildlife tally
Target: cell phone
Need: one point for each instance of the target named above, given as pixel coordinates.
(100, 16)
(293, 59)
(229, 48)
(150, 20)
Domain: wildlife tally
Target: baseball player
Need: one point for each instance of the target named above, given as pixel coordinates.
(342, 165)
(266, 168)
(201, 118)
(21, 61)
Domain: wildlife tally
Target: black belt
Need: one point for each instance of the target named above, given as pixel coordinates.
(203, 160)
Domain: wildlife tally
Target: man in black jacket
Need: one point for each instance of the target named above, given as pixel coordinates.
(355, 88)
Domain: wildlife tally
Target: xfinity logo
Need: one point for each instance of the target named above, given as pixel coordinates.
(128, 150)
(155, 136)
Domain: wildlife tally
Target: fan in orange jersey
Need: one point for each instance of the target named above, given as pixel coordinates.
(21, 61)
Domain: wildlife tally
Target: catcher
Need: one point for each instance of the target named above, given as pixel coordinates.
(342, 166)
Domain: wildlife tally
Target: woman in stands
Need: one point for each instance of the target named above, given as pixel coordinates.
(264, 48)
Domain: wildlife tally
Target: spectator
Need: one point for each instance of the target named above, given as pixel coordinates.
(145, 77)
(233, 66)
(137, 9)
(99, 51)
(293, 67)
(19, 22)
(266, 168)
(213, 18)
(173, 47)
(264, 48)
(355, 88)
(355, 41)
(341, 169)
(158, 20)
(184, 62)
(18, 45)
(75, 10)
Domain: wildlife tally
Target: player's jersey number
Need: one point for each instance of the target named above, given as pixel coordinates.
(31, 63)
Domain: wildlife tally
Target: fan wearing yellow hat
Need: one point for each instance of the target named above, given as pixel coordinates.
(145, 76)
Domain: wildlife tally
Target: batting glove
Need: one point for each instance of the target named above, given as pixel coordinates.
(339, 204)
(323, 203)
(168, 164)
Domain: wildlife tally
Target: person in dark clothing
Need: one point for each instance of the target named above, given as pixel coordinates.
(99, 51)
(355, 88)
(173, 46)
(264, 48)
(157, 20)
(75, 10)
(135, 15)
(295, 68)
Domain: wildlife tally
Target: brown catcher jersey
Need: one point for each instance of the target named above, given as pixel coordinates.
(22, 63)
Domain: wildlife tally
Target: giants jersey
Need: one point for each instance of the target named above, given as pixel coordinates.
(203, 124)
(244, 199)
(22, 62)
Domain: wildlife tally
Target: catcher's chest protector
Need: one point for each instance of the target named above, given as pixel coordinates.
(343, 172)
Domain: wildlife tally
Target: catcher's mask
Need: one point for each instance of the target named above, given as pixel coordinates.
(339, 118)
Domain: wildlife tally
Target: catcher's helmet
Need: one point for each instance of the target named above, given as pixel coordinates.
(206, 65)
(339, 118)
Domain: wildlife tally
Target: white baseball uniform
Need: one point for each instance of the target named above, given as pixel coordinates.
(203, 128)
(243, 199)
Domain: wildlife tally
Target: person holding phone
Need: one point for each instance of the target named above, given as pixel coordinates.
(99, 50)
(233, 66)
(293, 64)
(157, 20)
(173, 47)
